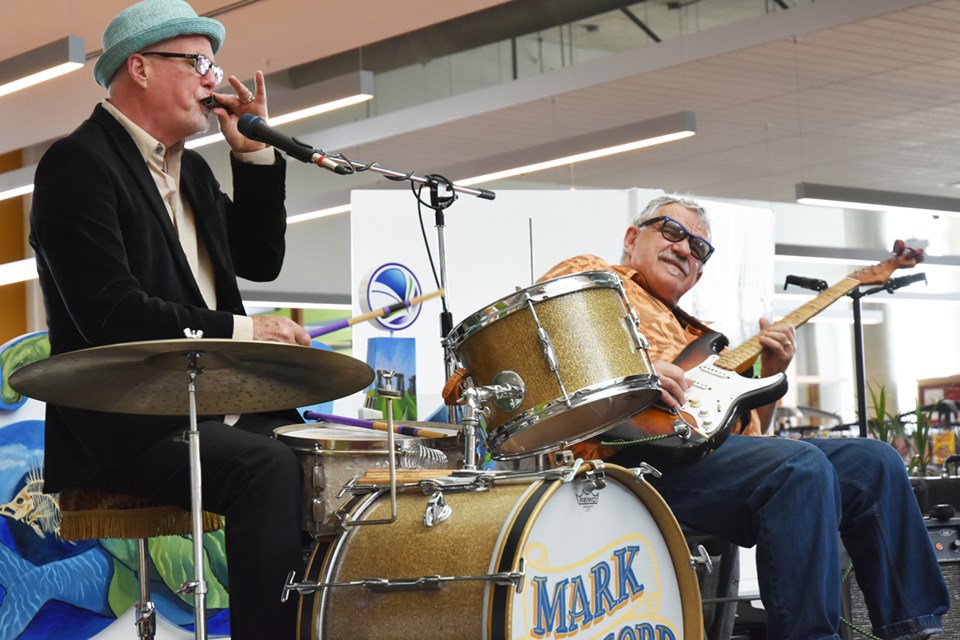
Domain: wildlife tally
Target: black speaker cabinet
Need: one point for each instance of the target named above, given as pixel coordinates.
(933, 491)
(945, 537)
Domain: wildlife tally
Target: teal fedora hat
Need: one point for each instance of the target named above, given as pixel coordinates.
(146, 23)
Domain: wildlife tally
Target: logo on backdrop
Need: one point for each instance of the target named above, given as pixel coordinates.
(389, 284)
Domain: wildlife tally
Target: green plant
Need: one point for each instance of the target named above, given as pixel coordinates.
(922, 444)
(883, 425)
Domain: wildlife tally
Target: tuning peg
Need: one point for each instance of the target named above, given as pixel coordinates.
(898, 247)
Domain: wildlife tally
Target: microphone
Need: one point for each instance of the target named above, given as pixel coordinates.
(256, 128)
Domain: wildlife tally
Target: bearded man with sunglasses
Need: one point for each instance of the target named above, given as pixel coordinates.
(788, 498)
(135, 241)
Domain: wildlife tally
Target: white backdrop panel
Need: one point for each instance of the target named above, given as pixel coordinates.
(488, 256)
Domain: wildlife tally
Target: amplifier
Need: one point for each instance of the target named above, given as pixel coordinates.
(945, 538)
(931, 491)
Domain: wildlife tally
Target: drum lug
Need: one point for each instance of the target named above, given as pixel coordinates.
(319, 477)
(549, 353)
(633, 320)
(703, 559)
(437, 510)
(595, 478)
(644, 469)
(319, 510)
(562, 458)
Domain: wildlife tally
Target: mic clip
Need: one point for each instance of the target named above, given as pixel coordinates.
(814, 284)
(895, 283)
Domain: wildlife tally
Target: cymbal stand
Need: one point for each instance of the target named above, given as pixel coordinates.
(198, 586)
(385, 390)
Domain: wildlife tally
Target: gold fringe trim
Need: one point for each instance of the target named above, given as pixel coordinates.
(131, 523)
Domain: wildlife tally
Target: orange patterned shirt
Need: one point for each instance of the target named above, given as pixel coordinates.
(667, 330)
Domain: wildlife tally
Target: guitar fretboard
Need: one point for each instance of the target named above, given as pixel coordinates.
(740, 357)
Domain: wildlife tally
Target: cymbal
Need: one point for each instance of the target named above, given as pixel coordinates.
(150, 378)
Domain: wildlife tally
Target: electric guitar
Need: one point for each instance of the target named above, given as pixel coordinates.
(719, 393)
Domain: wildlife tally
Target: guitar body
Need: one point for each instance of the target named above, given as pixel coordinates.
(714, 401)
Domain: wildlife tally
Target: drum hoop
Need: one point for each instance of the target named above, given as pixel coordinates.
(553, 288)
(356, 505)
(679, 552)
(557, 406)
(499, 613)
(335, 446)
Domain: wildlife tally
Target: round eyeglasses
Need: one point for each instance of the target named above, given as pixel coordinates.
(673, 231)
(201, 63)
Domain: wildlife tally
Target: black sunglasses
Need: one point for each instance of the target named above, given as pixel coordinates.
(201, 63)
(676, 232)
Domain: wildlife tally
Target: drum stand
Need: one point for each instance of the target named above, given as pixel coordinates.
(384, 390)
(473, 399)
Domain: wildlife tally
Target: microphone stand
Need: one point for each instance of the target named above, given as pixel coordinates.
(860, 367)
(439, 201)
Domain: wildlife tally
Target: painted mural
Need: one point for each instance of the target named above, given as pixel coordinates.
(49, 586)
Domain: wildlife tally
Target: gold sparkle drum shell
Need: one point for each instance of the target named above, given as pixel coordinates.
(331, 455)
(574, 344)
(596, 563)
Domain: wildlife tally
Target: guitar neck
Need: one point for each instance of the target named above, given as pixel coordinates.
(740, 358)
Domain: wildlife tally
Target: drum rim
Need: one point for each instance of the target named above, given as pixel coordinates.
(359, 446)
(555, 407)
(687, 581)
(552, 288)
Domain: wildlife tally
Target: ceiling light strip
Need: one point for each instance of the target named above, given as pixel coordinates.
(41, 64)
(827, 195)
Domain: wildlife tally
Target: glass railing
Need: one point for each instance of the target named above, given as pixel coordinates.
(634, 26)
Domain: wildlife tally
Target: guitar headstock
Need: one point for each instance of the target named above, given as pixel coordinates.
(903, 257)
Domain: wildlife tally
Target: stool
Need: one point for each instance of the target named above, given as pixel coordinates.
(89, 514)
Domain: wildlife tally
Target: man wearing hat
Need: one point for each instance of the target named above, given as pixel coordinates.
(135, 241)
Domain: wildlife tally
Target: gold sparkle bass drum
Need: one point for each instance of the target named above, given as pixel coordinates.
(591, 554)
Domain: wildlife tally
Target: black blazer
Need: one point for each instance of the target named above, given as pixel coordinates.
(112, 270)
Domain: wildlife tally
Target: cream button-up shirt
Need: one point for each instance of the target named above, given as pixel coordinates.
(164, 166)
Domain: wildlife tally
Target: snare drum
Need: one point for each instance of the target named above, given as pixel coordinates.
(572, 342)
(333, 455)
(586, 562)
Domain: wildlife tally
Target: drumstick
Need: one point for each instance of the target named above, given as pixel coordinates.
(385, 311)
(377, 425)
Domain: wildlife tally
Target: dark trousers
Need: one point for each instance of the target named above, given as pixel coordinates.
(255, 482)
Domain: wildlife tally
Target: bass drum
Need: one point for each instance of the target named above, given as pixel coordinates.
(597, 563)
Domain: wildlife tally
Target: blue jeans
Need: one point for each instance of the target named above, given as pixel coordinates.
(790, 498)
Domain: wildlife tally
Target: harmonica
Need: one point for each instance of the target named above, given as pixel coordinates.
(210, 102)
